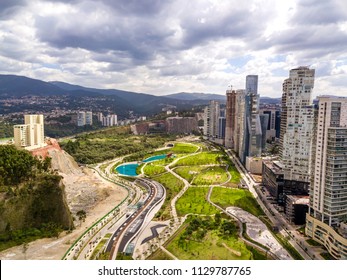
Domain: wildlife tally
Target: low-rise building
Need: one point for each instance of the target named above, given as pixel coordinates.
(254, 165)
(181, 125)
(296, 208)
(272, 178)
(333, 239)
(140, 128)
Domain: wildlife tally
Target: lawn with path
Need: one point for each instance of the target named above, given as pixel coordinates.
(184, 148)
(188, 172)
(225, 197)
(211, 175)
(207, 238)
(172, 185)
(203, 158)
(193, 201)
(235, 175)
(152, 169)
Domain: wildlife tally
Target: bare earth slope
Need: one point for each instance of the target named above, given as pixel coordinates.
(85, 190)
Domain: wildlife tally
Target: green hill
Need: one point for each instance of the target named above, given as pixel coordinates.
(32, 199)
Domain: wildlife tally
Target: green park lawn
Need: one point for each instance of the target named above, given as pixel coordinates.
(211, 175)
(172, 185)
(203, 158)
(193, 201)
(207, 238)
(184, 148)
(211, 248)
(164, 162)
(226, 197)
(188, 172)
(152, 169)
(235, 175)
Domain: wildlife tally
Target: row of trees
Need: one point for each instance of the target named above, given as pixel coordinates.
(17, 166)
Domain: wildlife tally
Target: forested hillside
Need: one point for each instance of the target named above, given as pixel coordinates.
(32, 199)
(108, 144)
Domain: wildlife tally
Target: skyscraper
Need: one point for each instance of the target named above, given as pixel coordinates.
(211, 117)
(252, 136)
(273, 126)
(240, 122)
(254, 126)
(252, 84)
(327, 218)
(230, 118)
(296, 129)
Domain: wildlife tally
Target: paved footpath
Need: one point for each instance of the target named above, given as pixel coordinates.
(258, 231)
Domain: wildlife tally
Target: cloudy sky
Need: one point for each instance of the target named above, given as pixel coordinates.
(169, 46)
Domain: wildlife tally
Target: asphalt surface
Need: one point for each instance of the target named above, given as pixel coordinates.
(131, 226)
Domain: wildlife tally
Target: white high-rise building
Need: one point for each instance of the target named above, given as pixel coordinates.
(240, 122)
(327, 217)
(211, 117)
(31, 134)
(100, 116)
(110, 120)
(297, 124)
(84, 118)
(89, 118)
(81, 118)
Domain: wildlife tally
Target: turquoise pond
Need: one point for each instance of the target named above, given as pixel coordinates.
(130, 168)
(127, 169)
(154, 158)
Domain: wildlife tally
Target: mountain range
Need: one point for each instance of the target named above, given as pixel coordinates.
(119, 101)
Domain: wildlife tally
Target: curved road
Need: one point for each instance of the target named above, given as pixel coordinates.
(129, 229)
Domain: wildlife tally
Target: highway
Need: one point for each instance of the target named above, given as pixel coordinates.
(132, 224)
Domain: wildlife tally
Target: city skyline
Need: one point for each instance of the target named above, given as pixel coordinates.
(162, 47)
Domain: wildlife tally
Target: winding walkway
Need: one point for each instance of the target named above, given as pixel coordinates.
(258, 231)
(183, 190)
(240, 223)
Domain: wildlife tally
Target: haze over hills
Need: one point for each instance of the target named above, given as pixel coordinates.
(218, 97)
(197, 95)
(68, 96)
(118, 101)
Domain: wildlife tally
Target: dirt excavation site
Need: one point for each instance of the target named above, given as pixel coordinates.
(85, 190)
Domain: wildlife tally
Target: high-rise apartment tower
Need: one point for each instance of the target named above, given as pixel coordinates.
(327, 217)
(296, 129)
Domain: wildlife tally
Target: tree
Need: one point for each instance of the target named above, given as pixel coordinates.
(25, 249)
(47, 163)
(81, 216)
(218, 219)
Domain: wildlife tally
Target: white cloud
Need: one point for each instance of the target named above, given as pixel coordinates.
(173, 46)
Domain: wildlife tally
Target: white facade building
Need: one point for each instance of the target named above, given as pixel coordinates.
(89, 118)
(211, 117)
(328, 191)
(240, 122)
(84, 118)
(110, 120)
(297, 124)
(329, 184)
(81, 118)
(31, 134)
